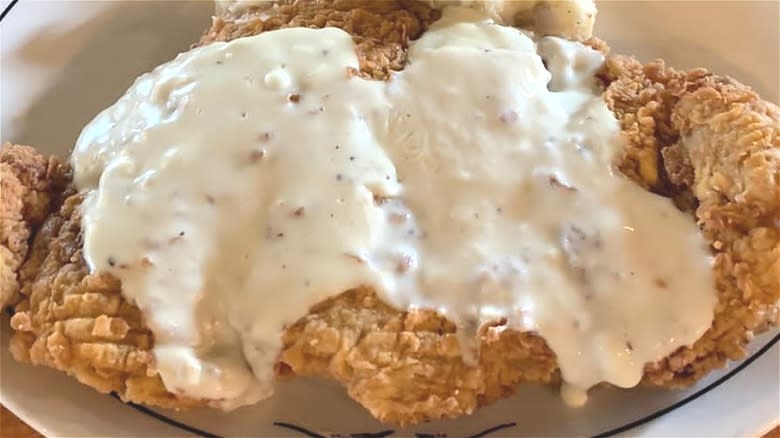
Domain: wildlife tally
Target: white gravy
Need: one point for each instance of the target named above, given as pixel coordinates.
(238, 185)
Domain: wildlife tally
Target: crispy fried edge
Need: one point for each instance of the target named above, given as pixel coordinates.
(30, 186)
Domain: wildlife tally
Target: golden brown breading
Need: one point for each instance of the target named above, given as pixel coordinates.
(381, 29)
(712, 143)
(707, 141)
(407, 367)
(79, 323)
(30, 185)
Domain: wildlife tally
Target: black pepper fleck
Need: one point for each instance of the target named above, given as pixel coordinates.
(181, 233)
(339, 177)
(279, 234)
(111, 261)
(352, 158)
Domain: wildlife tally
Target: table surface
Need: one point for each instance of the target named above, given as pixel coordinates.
(12, 427)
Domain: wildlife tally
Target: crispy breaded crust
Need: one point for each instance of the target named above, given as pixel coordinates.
(707, 141)
(407, 367)
(381, 29)
(713, 145)
(80, 323)
(30, 187)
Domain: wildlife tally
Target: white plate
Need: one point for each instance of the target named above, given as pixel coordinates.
(63, 61)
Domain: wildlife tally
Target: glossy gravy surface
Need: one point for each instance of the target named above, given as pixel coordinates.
(233, 188)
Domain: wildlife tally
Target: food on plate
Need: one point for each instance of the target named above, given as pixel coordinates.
(31, 188)
(572, 19)
(422, 204)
